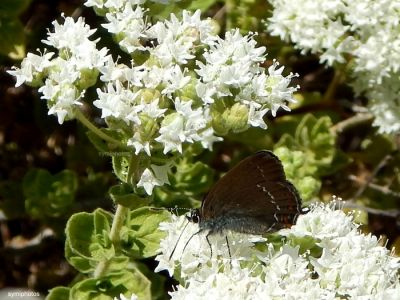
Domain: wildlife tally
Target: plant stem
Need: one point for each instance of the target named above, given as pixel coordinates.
(118, 222)
(351, 122)
(81, 117)
(229, 9)
(330, 92)
(101, 268)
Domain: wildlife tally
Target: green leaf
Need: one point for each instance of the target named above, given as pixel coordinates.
(156, 280)
(84, 229)
(102, 221)
(134, 281)
(58, 293)
(92, 289)
(47, 195)
(314, 137)
(123, 282)
(309, 154)
(82, 264)
(141, 236)
(88, 242)
(192, 178)
(120, 165)
(123, 194)
(80, 232)
(307, 244)
(203, 5)
(12, 38)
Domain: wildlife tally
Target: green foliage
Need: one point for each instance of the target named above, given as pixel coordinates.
(89, 249)
(12, 202)
(120, 165)
(88, 239)
(141, 235)
(108, 287)
(188, 183)
(192, 177)
(309, 154)
(59, 293)
(49, 195)
(203, 5)
(12, 36)
(124, 195)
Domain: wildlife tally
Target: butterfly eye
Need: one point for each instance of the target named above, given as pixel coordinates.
(194, 216)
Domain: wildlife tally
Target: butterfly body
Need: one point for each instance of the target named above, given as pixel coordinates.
(254, 197)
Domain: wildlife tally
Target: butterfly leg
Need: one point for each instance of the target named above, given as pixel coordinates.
(229, 248)
(209, 244)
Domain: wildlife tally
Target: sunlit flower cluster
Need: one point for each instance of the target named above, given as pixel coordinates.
(366, 30)
(63, 79)
(337, 262)
(184, 84)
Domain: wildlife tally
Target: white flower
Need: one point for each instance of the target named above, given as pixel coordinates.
(351, 265)
(208, 138)
(186, 125)
(177, 38)
(94, 3)
(174, 79)
(69, 35)
(365, 30)
(122, 297)
(256, 116)
(119, 102)
(136, 141)
(157, 176)
(230, 62)
(31, 66)
(63, 98)
(129, 25)
(231, 69)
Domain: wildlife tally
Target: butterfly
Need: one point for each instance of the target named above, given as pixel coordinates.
(253, 197)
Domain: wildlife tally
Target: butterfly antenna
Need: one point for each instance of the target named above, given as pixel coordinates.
(173, 250)
(187, 243)
(173, 210)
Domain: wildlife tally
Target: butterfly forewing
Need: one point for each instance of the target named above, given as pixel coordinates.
(253, 197)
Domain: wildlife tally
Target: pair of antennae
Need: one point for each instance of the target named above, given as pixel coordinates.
(194, 217)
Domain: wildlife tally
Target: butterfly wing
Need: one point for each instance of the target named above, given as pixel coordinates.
(253, 197)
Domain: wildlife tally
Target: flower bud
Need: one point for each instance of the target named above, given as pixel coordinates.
(87, 78)
(148, 127)
(233, 119)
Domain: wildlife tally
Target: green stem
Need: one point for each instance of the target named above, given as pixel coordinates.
(352, 122)
(118, 222)
(81, 117)
(229, 9)
(330, 92)
(101, 268)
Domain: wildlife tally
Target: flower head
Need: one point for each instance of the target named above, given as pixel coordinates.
(349, 264)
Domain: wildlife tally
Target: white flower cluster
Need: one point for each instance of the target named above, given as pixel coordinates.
(366, 30)
(184, 84)
(162, 94)
(66, 75)
(352, 265)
